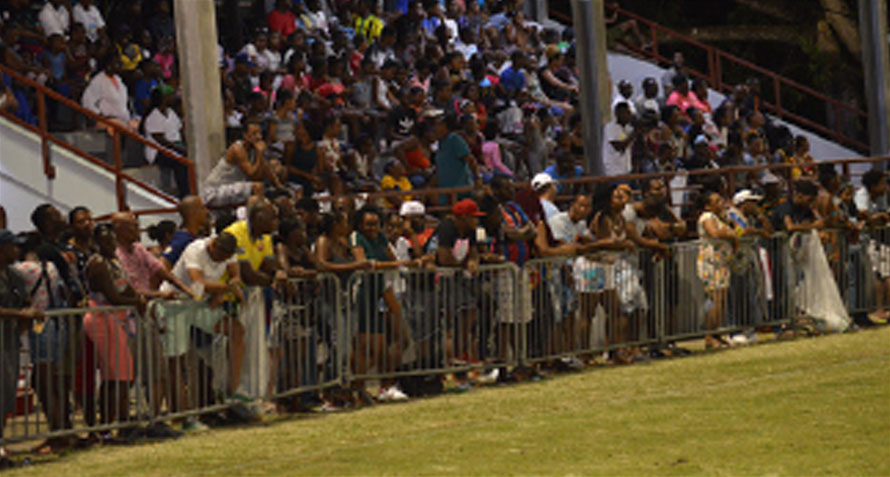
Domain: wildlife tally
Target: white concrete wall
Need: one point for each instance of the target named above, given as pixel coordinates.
(23, 185)
(635, 70)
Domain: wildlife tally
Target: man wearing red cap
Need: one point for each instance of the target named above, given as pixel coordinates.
(456, 247)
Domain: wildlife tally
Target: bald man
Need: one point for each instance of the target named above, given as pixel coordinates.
(195, 224)
(145, 272)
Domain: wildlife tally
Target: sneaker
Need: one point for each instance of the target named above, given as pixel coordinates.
(328, 406)
(739, 340)
(877, 317)
(490, 377)
(194, 425)
(391, 394)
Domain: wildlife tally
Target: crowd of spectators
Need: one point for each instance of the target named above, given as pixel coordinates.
(211, 260)
(334, 98)
(454, 92)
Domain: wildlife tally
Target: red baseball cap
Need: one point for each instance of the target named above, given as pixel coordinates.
(467, 207)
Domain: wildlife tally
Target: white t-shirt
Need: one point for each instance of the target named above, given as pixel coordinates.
(196, 257)
(616, 162)
(158, 123)
(864, 202)
(550, 209)
(54, 20)
(107, 97)
(91, 18)
(564, 230)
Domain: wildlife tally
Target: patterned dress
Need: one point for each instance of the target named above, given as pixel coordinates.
(713, 255)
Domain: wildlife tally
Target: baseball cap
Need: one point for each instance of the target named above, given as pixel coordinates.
(244, 58)
(467, 207)
(745, 195)
(412, 207)
(541, 180)
(7, 237)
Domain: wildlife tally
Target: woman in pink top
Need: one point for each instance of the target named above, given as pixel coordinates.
(491, 151)
(166, 58)
(682, 97)
(106, 331)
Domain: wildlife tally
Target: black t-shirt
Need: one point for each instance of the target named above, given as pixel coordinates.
(797, 213)
(447, 236)
(401, 120)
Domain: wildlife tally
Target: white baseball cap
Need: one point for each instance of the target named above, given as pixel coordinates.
(412, 207)
(541, 180)
(745, 195)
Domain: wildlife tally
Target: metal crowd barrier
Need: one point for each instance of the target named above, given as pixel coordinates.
(103, 368)
(421, 321)
(79, 370)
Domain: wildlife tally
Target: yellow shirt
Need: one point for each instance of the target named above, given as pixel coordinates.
(251, 251)
(370, 27)
(391, 183)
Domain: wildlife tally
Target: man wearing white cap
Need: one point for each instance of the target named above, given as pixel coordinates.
(415, 233)
(746, 216)
(545, 187)
(748, 303)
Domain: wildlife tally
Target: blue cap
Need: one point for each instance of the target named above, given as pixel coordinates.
(244, 58)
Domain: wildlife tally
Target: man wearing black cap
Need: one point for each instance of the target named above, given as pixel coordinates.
(14, 318)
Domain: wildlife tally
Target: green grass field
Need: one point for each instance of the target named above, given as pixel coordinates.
(812, 406)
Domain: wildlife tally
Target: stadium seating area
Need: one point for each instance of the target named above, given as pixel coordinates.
(297, 290)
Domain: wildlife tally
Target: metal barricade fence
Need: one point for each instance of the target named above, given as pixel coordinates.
(587, 304)
(419, 321)
(737, 290)
(195, 352)
(103, 368)
(306, 341)
(81, 370)
(868, 270)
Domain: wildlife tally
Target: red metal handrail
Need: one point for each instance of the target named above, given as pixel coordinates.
(714, 75)
(46, 137)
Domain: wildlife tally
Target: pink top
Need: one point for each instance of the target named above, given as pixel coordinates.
(166, 61)
(32, 273)
(683, 102)
(140, 265)
(491, 156)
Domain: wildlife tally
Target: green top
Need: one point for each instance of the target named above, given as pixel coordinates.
(374, 250)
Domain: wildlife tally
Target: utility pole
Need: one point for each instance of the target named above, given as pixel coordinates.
(590, 40)
(196, 44)
(876, 66)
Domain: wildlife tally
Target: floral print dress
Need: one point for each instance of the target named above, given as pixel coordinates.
(712, 264)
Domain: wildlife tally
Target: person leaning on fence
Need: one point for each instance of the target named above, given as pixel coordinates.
(872, 204)
(455, 246)
(16, 317)
(750, 283)
(818, 299)
(105, 334)
(718, 244)
(381, 337)
(145, 273)
(201, 267)
(612, 273)
(256, 259)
